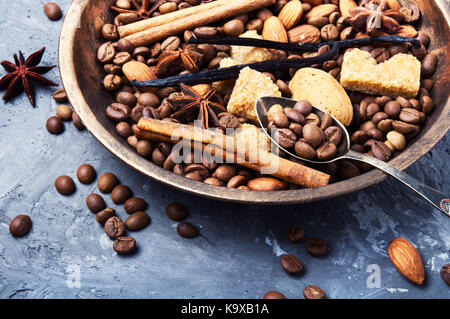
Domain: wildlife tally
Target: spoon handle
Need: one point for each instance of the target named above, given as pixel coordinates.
(437, 199)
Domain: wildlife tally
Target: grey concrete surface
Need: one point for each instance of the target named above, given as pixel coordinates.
(67, 254)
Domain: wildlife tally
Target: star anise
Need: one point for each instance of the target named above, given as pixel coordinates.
(192, 102)
(21, 74)
(370, 16)
(171, 62)
(142, 9)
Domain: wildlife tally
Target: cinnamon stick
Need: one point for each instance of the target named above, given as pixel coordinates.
(284, 169)
(142, 25)
(223, 11)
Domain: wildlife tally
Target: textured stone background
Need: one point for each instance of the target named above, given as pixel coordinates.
(237, 255)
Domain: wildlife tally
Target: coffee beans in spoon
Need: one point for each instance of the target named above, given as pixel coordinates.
(299, 130)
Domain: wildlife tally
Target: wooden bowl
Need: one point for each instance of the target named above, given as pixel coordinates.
(82, 78)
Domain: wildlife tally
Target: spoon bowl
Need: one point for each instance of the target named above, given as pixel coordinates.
(431, 195)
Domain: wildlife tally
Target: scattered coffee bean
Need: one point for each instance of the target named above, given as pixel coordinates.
(313, 292)
(77, 122)
(86, 174)
(187, 230)
(104, 215)
(20, 225)
(65, 185)
(114, 227)
(295, 234)
(176, 211)
(107, 182)
(445, 273)
(60, 96)
(95, 203)
(291, 264)
(54, 125)
(120, 194)
(135, 204)
(125, 245)
(316, 246)
(64, 112)
(274, 295)
(137, 221)
(52, 11)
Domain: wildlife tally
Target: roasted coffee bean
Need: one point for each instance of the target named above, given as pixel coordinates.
(313, 292)
(280, 120)
(329, 32)
(52, 11)
(427, 104)
(404, 103)
(95, 203)
(120, 194)
(20, 225)
(378, 117)
(317, 21)
(225, 172)
(114, 227)
(64, 185)
(135, 204)
(118, 112)
(144, 148)
(228, 121)
(125, 45)
(304, 107)
(296, 128)
(381, 151)
(375, 134)
(385, 125)
(125, 245)
(358, 137)
(316, 247)
(415, 104)
(284, 88)
(107, 182)
(77, 122)
(428, 65)
(274, 295)
(205, 32)
(312, 134)
(295, 116)
(313, 119)
(237, 181)
(125, 18)
(212, 181)
(291, 264)
(420, 52)
(362, 111)
(369, 144)
(171, 44)
(137, 221)
(333, 134)
(54, 125)
(124, 129)
(86, 174)
(187, 230)
(234, 27)
(326, 151)
(112, 82)
(389, 144)
(126, 98)
(380, 54)
(347, 169)
(149, 99)
(357, 148)
(112, 69)
(106, 53)
(176, 211)
(410, 116)
(197, 168)
(168, 7)
(285, 138)
(109, 32)
(372, 109)
(403, 127)
(423, 37)
(326, 121)
(382, 100)
(445, 273)
(295, 234)
(157, 157)
(397, 48)
(102, 216)
(414, 133)
(64, 112)
(304, 150)
(60, 96)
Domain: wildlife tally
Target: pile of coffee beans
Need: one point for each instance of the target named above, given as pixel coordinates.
(299, 130)
(55, 124)
(381, 125)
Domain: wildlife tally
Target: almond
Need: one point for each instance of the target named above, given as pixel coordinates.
(406, 259)
(313, 3)
(274, 30)
(266, 184)
(407, 31)
(291, 13)
(304, 34)
(323, 10)
(138, 71)
(345, 6)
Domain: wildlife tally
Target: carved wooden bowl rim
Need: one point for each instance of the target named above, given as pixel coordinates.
(436, 128)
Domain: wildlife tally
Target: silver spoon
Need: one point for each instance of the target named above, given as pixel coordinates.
(437, 199)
